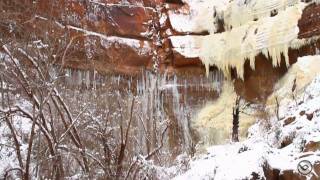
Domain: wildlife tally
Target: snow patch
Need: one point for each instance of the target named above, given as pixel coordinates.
(186, 45)
(299, 75)
(142, 47)
(199, 16)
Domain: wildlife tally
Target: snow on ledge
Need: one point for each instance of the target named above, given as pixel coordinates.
(199, 17)
(186, 45)
(142, 47)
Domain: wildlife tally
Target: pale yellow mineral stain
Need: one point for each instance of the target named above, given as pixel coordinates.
(214, 121)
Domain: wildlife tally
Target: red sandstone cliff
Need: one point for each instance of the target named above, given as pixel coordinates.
(126, 36)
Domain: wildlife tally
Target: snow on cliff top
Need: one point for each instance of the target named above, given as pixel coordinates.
(197, 16)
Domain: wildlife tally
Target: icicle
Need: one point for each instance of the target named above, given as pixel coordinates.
(94, 79)
(269, 36)
(87, 79)
(317, 51)
(240, 12)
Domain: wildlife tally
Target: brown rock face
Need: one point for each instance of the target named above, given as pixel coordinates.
(312, 146)
(125, 37)
(113, 37)
(289, 121)
(309, 24)
(274, 174)
(258, 84)
(109, 36)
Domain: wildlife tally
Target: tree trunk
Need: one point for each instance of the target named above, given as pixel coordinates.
(235, 121)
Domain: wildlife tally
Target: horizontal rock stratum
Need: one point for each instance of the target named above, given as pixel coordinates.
(112, 36)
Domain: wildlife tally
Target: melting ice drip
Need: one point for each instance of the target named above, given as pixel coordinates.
(161, 92)
(317, 51)
(78, 77)
(92, 79)
(160, 98)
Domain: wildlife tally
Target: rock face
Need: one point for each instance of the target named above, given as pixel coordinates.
(274, 174)
(123, 37)
(258, 84)
(309, 24)
(120, 39)
(114, 36)
(129, 36)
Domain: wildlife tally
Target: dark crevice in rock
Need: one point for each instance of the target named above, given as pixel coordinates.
(179, 2)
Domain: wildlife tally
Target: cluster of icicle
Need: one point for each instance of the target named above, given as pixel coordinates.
(240, 12)
(158, 92)
(252, 29)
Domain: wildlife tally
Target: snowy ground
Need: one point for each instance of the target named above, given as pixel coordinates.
(281, 144)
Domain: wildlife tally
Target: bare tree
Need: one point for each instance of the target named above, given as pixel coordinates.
(235, 120)
(293, 91)
(70, 132)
